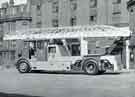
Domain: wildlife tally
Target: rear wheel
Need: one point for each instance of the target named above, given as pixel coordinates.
(23, 67)
(90, 67)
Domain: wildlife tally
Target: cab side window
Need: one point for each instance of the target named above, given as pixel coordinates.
(52, 50)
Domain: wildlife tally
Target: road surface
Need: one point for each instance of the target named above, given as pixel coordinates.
(66, 85)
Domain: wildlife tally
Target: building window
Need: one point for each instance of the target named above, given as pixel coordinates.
(116, 1)
(73, 21)
(39, 24)
(24, 23)
(3, 12)
(14, 11)
(93, 18)
(22, 9)
(13, 44)
(12, 57)
(17, 10)
(1, 29)
(73, 4)
(55, 23)
(11, 26)
(0, 13)
(93, 3)
(38, 7)
(116, 8)
(39, 10)
(55, 7)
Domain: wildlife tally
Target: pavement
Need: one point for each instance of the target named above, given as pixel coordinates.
(14, 84)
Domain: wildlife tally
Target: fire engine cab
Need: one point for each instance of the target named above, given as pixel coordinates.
(90, 49)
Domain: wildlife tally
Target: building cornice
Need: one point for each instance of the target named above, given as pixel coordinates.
(13, 19)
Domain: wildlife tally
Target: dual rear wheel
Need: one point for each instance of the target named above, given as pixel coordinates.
(91, 67)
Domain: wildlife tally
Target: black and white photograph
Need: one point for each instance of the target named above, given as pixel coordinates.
(67, 48)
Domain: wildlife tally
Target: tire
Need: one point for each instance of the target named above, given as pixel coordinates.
(90, 67)
(23, 66)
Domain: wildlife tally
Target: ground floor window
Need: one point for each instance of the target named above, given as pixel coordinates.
(12, 56)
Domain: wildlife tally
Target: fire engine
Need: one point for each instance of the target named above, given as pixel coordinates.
(89, 49)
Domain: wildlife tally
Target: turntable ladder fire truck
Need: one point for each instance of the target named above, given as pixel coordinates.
(67, 49)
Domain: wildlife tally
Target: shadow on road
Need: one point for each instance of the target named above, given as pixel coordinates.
(71, 73)
(14, 95)
(111, 73)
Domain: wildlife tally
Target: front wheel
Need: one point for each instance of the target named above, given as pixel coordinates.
(90, 67)
(23, 67)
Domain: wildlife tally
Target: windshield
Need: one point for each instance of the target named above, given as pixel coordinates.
(64, 51)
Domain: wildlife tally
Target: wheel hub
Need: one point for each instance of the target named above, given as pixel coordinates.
(90, 68)
(23, 67)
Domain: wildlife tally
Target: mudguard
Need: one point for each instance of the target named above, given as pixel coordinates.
(112, 60)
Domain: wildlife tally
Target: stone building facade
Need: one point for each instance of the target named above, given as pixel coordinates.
(54, 13)
(12, 18)
(57, 13)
